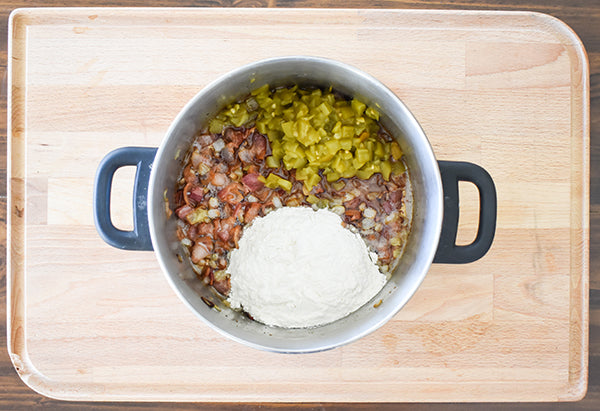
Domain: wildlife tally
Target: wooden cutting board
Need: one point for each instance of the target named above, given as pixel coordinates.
(508, 91)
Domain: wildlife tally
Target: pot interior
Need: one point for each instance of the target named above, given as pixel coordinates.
(426, 192)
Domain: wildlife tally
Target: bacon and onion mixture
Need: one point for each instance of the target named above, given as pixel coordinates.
(291, 147)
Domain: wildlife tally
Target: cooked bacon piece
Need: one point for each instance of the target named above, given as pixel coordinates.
(221, 247)
(387, 206)
(252, 169)
(218, 179)
(252, 182)
(183, 211)
(190, 175)
(192, 194)
(238, 213)
(354, 203)
(222, 286)
(217, 176)
(258, 149)
(395, 197)
(352, 215)
(228, 153)
(205, 229)
(393, 201)
(197, 194)
(222, 263)
(251, 212)
(236, 234)
(245, 155)
(198, 158)
(227, 210)
(205, 140)
(264, 194)
(384, 254)
(232, 193)
(192, 232)
(201, 249)
(256, 152)
(235, 136)
(223, 228)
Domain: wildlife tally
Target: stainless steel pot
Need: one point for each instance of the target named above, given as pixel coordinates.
(435, 203)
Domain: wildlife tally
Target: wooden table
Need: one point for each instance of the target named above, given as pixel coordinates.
(14, 387)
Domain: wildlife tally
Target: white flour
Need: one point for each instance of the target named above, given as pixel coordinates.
(299, 268)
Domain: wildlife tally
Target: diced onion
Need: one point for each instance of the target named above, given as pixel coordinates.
(368, 223)
(213, 202)
(369, 212)
(218, 145)
(338, 209)
(203, 168)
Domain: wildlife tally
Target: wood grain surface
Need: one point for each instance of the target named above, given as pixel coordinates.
(16, 395)
(83, 327)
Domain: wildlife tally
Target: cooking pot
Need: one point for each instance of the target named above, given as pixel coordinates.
(434, 187)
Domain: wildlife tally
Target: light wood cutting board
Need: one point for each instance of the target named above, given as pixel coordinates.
(508, 91)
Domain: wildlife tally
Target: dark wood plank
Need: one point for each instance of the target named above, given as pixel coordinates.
(582, 16)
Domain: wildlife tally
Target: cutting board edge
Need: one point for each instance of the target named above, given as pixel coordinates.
(39, 383)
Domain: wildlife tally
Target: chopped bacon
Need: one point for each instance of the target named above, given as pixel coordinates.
(192, 194)
(264, 194)
(228, 153)
(205, 139)
(192, 232)
(395, 197)
(205, 229)
(238, 213)
(227, 210)
(388, 207)
(245, 155)
(222, 286)
(384, 254)
(235, 136)
(393, 201)
(252, 169)
(221, 247)
(232, 193)
(352, 215)
(218, 179)
(251, 212)
(200, 250)
(224, 228)
(252, 182)
(190, 175)
(222, 263)
(259, 147)
(198, 158)
(183, 211)
(236, 235)
(227, 184)
(354, 203)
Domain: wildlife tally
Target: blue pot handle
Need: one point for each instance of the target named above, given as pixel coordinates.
(139, 237)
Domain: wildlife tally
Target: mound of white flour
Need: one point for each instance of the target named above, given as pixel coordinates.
(297, 267)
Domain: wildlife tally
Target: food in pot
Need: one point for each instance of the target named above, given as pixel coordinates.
(297, 267)
(290, 147)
